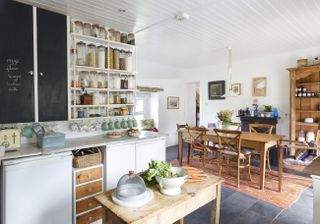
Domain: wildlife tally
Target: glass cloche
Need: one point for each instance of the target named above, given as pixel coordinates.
(131, 187)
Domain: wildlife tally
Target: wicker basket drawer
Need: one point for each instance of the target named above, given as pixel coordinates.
(88, 175)
(86, 205)
(88, 189)
(90, 217)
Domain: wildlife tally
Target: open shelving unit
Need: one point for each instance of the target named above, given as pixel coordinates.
(304, 107)
(106, 108)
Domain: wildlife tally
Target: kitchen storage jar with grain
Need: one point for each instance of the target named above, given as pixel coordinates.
(87, 29)
(110, 56)
(131, 39)
(122, 61)
(128, 61)
(92, 50)
(93, 80)
(82, 52)
(101, 57)
(124, 111)
(116, 99)
(78, 27)
(124, 83)
(102, 33)
(116, 59)
(117, 36)
(111, 34)
(101, 80)
(95, 30)
(124, 38)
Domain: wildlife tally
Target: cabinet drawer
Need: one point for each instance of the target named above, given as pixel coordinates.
(90, 217)
(88, 189)
(86, 205)
(88, 175)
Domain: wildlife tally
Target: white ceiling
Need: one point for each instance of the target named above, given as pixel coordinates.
(253, 27)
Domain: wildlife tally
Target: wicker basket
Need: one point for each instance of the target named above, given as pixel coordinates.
(87, 160)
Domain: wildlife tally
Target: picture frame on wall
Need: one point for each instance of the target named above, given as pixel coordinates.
(259, 86)
(216, 90)
(236, 88)
(172, 102)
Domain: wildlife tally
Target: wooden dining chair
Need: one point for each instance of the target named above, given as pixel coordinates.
(199, 143)
(230, 151)
(185, 136)
(262, 128)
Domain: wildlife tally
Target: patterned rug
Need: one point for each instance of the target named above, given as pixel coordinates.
(292, 185)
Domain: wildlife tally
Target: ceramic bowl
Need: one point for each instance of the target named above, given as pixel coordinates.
(171, 185)
(308, 120)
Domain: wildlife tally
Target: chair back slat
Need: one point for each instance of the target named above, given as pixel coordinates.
(230, 140)
(261, 128)
(197, 136)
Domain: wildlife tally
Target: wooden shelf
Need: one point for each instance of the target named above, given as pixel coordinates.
(102, 117)
(95, 69)
(103, 89)
(307, 97)
(308, 84)
(307, 124)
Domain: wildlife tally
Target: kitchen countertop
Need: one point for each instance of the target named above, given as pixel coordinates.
(78, 143)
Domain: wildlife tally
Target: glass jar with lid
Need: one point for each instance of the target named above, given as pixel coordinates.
(95, 30)
(82, 53)
(117, 36)
(111, 34)
(111, 58)
(102, 32)
(111, 101)
(101, 57)
(93, 80)
(92, 50)
(116, 99)
(87, 29)
(116, 59)
(124, 38)
(128, 57)
(84, 77)
(124, 82)
(122, 60)
(131, 39)
(117, 81)
(101, 82)
(78, 27)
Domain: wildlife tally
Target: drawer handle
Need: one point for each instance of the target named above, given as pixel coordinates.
(90, 204)
(90, 189)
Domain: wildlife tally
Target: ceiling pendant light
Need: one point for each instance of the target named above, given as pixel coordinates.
(229, 92)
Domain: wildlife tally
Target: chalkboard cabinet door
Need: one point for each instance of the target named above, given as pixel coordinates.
(52, 66)
(16, 63)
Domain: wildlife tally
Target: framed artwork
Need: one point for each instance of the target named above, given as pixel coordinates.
(172, 102)
(259, 86)
(216, 89)
(236, 88)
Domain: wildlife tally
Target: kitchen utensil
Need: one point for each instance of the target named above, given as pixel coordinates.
(172, 185)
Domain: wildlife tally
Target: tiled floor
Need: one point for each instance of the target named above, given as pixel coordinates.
(239, 208)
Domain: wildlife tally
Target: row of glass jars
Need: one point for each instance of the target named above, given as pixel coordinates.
(93, 56)
(96, 30)
(119, 124)
(101, 112)
(102, 98)
(94, 79)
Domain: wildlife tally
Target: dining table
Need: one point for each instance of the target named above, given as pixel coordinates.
(259, 142)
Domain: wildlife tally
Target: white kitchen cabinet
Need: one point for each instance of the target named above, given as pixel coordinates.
(147, 151)
(119, 160)
(37, 190)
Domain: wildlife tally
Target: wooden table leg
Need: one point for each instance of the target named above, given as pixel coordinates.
(107, 217)
(181, 221)
(180, 148)
(280, 165)
(263, 152)
(215, 212)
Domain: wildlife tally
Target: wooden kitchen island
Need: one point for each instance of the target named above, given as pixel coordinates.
(165, 209)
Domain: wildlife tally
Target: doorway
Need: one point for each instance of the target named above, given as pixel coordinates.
(192, 110)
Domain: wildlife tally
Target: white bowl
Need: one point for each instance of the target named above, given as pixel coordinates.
(308, 120)
(171, 185)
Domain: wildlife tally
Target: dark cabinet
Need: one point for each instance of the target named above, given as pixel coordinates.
(52, 66)
(16, 60)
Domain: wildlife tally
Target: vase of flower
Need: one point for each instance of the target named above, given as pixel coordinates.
(225, 117)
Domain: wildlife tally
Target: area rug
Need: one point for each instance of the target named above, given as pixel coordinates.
(292, 185)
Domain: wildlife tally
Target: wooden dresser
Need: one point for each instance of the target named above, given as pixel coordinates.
(88, 182)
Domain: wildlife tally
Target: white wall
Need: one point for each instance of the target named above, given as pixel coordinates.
(273, 67)
(168, 118)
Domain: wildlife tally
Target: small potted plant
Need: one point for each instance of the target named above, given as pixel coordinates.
(225, 116)
(267, 110)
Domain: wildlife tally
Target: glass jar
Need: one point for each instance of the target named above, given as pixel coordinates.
(93, 80)
(73, 56)
(87, 29)
(95, 99)
(102, 33)
(131, 39)
(116, 59)
(101, 57)
(111, 58)
(124, 111)
(81, 56)
(92, 49)
(76, 81)
(116, 82)
(84, 77)
(122, 61)
(78, 27)
(124, 83)
(101, 82)
(95, 30)
(124, 38)
(129, 61)
(123, 99)
(111, 98)
(116, 99)
(117, 36)
(111, 34)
